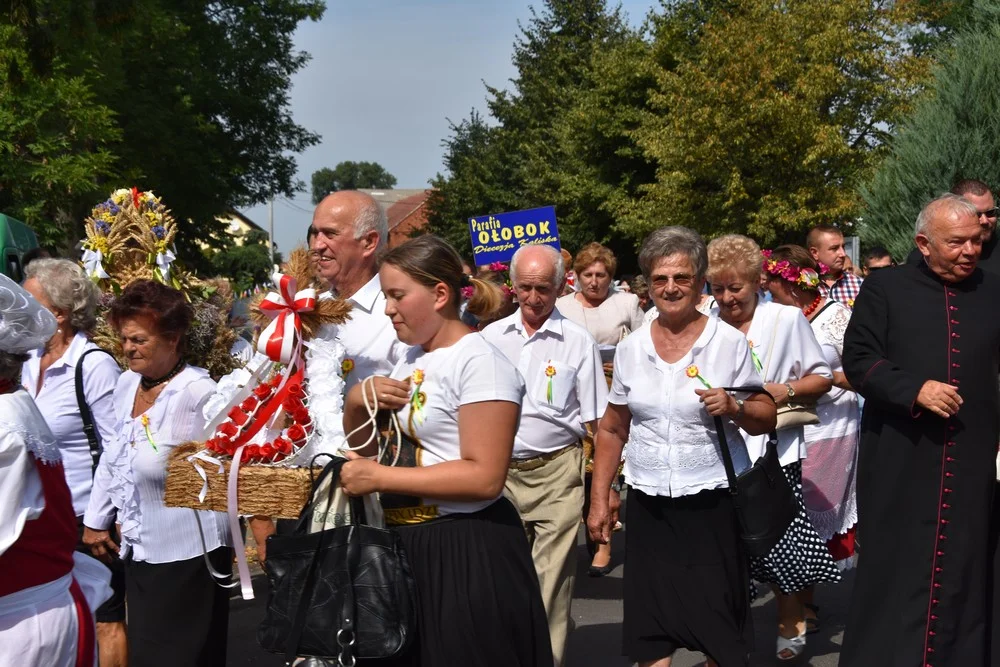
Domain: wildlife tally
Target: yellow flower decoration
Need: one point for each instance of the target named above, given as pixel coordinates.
(550, 372)
(149, 435)
(346, 366)
(693, 373)
(418, 399)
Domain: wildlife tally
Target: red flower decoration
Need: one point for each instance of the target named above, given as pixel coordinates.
(228, 428)
(296, 390)
(262, 391)
(292, 404)
(266, 451)
(249, 404)
(283, 446)
(238, 416)
(301, 416)
(296, 433)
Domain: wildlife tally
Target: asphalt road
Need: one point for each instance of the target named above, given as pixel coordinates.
(597, 611)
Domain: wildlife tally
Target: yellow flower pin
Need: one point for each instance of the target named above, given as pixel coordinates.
(693, 373)
(550, 372)
(346, 366)
(149, 435)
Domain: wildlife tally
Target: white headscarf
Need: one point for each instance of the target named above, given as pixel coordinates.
(25, 324)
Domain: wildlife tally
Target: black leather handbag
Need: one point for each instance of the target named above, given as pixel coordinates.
(764, 500)
(338, 594)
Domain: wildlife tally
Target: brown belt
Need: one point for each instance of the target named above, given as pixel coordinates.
(536, 462)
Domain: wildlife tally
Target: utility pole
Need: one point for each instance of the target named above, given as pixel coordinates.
(270, 229)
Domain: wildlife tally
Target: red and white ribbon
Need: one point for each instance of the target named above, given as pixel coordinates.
(282, 336)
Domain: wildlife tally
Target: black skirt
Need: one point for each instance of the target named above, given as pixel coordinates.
(177, 614)
(478, 601)
(686, 580)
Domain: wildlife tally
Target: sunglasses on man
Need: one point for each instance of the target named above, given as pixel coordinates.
(873, 269)
(990, 213)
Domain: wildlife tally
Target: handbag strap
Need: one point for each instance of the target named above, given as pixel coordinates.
(93, 439)
(727, 457)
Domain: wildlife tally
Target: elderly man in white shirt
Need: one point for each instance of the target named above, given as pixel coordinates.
(561, 366)
(349, 231)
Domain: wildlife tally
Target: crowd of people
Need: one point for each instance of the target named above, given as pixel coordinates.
(567, 389)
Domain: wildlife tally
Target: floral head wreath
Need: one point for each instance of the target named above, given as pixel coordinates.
(798, 275)
(503, 271)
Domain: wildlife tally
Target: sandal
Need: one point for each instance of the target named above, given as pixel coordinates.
(790, 648)
(812, 622)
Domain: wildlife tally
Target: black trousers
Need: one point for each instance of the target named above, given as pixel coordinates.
(177, 614)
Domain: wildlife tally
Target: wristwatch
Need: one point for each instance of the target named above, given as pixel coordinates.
(741, 409)
(791, 392)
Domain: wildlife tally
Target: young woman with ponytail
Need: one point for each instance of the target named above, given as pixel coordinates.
(457, 399)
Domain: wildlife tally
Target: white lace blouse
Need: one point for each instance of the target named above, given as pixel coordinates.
(132, 473)
(673, 449)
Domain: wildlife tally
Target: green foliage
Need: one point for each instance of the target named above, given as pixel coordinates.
(187, 99)
(752, 116)
(954, 133)
(350, 176)
(768, 136)
(247, 264)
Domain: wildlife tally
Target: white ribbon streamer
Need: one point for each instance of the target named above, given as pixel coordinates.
(93, 263)
(164, 260)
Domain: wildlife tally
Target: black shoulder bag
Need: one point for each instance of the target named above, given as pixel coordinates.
(93, 439)
(764, 500)
(340, 594)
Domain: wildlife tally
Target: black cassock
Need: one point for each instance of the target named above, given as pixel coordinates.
(925, 484)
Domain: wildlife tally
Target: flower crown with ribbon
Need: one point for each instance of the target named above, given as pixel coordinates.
(784, 269)
(503, 272)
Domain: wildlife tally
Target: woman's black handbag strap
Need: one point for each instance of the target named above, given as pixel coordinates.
(345, 636)
(727, 457)
(93, 438)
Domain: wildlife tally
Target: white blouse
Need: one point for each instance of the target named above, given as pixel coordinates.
(673, 449)
(615, 318)
(786, 349)
(132, 473)
(470, 371)
(57, 402)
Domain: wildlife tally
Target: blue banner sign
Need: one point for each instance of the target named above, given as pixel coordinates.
(495, 238)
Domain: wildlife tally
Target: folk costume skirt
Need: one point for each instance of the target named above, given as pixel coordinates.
(801, 557)
(177, 614)
(478, 601)
(686, 582)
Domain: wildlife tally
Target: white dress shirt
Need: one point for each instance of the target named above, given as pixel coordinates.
(57, 402)
(132, 474)
(784, 343)
(579, 390)
(368, 338)
(673, 449)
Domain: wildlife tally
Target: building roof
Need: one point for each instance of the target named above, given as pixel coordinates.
(402, 206)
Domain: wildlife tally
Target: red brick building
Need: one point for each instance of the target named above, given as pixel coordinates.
(406, 210)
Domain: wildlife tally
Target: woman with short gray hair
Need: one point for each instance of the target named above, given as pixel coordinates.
(686, 579)
(52, 376)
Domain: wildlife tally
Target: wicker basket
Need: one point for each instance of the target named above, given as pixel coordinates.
(262, 490)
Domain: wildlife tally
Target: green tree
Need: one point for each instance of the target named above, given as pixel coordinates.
(187, 99)
(350, 176)
(543, 148)
(953, 133)
(246, 264)
(477, 182)
(770, 135)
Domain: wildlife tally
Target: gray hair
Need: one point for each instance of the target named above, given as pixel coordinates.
(667, 241)
(946, 204)
(554, 256)
(372, 218)
(68, 288)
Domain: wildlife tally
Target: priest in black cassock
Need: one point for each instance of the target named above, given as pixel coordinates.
(923, 347)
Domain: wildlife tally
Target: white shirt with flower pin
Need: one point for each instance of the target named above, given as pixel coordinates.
(673, 449)
(470, 371)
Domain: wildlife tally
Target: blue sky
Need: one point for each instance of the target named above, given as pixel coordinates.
(385, 76)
